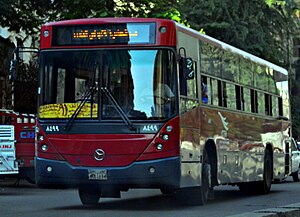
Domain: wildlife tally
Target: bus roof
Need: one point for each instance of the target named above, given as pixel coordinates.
(87, 21)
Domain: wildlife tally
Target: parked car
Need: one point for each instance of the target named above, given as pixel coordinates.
(295, 160)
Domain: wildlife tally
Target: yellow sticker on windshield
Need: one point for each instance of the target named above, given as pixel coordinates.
(66, 110)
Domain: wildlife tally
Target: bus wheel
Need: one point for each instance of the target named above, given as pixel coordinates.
(295, 176)
(88, 195)
(168, 191)
(206, 179)
(263, 187)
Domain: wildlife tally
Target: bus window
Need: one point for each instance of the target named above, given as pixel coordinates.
(210, 59)
(246, 73)
(222, 93)
(204, 90)
(260, 77)
(213, 89)
(192, 84)
(230, 67)
(247, 97)
(280, 106)
(231, 96)
(268, 104)
(254, 103)
(261, 103)
(275, 106)
(188, 80)
(239, 93)
(272, 76)
(61, 85)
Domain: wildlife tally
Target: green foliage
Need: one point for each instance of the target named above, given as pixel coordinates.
(28, 16)
(263, 29)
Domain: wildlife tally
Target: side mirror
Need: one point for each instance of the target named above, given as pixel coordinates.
(12, 70)
(187, 68)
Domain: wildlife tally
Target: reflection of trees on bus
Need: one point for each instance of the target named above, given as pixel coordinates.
(249, 86)
(117, 77)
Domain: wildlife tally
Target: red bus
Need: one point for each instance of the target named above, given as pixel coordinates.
(23, 141)
(148, 103)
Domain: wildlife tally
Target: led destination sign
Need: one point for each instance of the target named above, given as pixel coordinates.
(130, 33)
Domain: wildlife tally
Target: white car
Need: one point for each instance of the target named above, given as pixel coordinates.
(295, 160)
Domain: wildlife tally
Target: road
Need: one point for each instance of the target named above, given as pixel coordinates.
(25, 200)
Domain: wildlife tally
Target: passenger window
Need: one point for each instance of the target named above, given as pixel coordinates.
(239, 92)
(230, 67)
(254, 104)
(246, 73)
(188, 85)
(275, 106)
(261, 103)
(214, 94)
(210, 59)
(231, 96)
(268, 105)
(247, 97)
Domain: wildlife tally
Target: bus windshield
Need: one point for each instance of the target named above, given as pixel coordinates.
(140, 83)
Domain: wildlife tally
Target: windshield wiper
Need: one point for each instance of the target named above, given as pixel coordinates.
(86, 97)
(118, 108)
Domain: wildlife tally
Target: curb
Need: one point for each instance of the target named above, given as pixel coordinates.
(290, 210)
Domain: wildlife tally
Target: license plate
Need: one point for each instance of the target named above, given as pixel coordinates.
(97, 174)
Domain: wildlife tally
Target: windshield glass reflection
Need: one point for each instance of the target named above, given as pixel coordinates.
(141, 82)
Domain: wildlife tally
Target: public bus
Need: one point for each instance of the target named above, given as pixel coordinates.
(17, 145)
(148, 103)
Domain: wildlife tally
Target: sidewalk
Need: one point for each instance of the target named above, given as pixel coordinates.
(291, 210)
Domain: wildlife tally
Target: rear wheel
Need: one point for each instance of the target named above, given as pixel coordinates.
(264, 186)
(88, 195)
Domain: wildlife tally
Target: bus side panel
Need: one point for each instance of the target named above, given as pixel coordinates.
(241, 141)
(190, 148)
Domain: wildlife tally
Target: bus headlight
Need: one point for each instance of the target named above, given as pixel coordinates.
(169, 129)
(44, 147)
(159, 146)
(40, 138)
(165, 137)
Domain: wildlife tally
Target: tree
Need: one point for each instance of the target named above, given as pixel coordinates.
(258, 27)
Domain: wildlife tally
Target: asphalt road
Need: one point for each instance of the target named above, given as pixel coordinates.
(25, 200)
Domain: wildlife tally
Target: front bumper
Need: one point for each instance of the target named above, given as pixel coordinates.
(136, 175)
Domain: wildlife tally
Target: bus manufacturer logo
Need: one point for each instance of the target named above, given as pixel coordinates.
(99, 154)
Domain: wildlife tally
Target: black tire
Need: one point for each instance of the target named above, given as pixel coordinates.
(198, 195)
(168, 191)
(89, 196)
(260, 187)
(295, 176)
(205, 179)
(31, 180)
(264, 186)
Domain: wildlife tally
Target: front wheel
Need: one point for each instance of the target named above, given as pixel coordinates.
(205, 188)
(88, 196)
